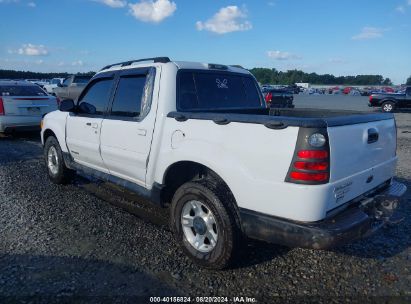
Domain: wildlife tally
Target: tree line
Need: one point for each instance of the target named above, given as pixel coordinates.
(11, 74)
(272, 76)
(263, 75)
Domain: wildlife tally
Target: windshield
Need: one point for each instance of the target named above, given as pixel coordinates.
(22, 90)
(204, 90)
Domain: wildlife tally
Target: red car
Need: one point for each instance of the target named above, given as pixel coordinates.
(347, 90)
(388, 90)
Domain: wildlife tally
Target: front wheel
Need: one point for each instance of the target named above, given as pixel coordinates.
(204, 224)
(388, 107)
(56, 168)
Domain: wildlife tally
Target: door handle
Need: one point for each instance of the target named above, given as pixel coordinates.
(93, 125)
(372, 135)
(142, 132)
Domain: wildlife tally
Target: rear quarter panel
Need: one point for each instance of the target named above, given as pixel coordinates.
(252, 159)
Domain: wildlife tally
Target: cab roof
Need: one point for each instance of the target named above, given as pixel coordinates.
(179, 64)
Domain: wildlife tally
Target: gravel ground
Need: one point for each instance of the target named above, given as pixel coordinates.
(90, 241)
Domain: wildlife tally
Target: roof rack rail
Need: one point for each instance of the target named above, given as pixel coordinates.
(237, 66)
(126, 63)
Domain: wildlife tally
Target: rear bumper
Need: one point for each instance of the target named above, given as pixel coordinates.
(10, 124)
(359, 220)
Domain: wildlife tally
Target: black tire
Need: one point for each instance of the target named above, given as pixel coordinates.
(62, 175)
(388, 107)
(220, 203)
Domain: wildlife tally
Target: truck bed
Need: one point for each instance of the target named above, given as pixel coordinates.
(263, 142)
(283, 118)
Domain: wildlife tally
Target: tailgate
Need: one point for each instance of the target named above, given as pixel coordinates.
(362, 156)
(359, 147)
(29, 106)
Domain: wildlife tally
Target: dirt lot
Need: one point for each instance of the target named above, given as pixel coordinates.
(78, 240)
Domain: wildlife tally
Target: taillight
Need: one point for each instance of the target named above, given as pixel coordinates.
(1, 106)
(370, 98)
(313, 154)
(313, 166)
(311, 161)
(268, 97)
(309, 177)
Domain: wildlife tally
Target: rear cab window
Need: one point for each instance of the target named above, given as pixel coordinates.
(21, 90)
(199, 90)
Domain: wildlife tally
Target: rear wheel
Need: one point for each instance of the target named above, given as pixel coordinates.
(56, 168)
(204, 224)
(388, 107)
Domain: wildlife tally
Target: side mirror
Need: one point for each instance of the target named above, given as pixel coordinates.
(67, 105)
(87, 108)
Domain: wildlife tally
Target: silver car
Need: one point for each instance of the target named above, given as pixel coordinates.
(22, 106)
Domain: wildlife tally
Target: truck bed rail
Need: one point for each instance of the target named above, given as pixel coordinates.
(283, 118)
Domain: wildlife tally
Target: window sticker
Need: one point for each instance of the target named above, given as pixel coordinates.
(222, 84)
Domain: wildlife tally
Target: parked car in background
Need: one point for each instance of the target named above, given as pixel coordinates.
(348, 90)
(199, 139)
(40, 82)
(333, 89)
(279, 98)
(365, 91)
(388, 90)
(54, 83)
(22, 105)
(391, 101)
(315, 91)
(71, 87)
(33, 80)
(266, 87)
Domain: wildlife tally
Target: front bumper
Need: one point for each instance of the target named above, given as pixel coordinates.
(358, 220)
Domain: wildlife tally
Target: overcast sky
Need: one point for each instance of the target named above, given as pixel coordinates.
(324, 36)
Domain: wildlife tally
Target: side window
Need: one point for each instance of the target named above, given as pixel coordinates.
(95, 100)
(127, 102)
(408, 91)
(133, 96)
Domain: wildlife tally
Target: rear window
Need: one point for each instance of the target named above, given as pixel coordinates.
(199, 90)
(21, 90)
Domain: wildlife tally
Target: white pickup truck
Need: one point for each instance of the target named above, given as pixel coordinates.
(198, 138)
